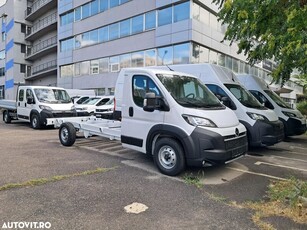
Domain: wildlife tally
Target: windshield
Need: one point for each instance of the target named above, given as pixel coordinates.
(244, 96)
(277, 99)
(91, 101)
(189, 91)
(52, 96)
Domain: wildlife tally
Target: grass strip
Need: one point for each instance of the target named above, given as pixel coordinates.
(42, 181)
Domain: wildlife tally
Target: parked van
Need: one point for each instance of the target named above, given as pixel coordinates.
(262, 124)
(294, 122)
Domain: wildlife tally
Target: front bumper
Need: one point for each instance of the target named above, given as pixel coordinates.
(294, 127)
(44, 114)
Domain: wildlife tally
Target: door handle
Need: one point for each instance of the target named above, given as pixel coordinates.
(18, 103)
(130, 111)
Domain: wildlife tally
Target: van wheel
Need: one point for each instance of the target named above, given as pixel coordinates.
(169, 156)
(35, 122)
(67, 134)
(6, 117)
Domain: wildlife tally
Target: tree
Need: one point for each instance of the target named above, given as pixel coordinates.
(268, 29)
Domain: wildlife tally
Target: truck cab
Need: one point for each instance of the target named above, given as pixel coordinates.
(175, 118)
(294, 122)
(37, 103)
(262, 124)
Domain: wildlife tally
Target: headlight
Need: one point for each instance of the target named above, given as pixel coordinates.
(198, 121)
(111, 109)
(256, 116)
(288, 114)
(45, 107)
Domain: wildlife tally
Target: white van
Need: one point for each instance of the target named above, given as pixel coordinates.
(294, 122)
(262, 124)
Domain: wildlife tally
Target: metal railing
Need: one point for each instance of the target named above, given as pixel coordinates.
(36, 6)
(42, 23)
(41, 46)
(44, 67)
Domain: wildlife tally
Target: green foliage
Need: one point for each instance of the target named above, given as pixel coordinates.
(268, 29)
(302, 107)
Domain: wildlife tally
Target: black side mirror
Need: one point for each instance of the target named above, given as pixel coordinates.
(30, 100)
(149, 104)
(229, 103)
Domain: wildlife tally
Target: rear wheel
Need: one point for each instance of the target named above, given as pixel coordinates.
(169, 156)
(6, 117)
(35, 121)
(67, 134)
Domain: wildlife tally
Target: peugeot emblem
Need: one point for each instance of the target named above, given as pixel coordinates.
(237, 132)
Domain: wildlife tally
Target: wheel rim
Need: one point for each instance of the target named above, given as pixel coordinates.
(167, 157)
(5, 117)
(64, 134)
(34, 122)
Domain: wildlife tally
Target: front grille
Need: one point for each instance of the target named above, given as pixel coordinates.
(101, 110)
(70, 114)
(236, 146)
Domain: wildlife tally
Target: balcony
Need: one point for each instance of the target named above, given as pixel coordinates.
(42, 27)
(39, 8)
(43, 70)
(42, 49)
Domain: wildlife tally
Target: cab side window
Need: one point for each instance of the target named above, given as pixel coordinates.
(262, 99)
(217, 91)
(21, 95)
(29, 95)
(142, 85)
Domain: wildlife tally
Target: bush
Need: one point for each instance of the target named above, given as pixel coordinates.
(302, 107)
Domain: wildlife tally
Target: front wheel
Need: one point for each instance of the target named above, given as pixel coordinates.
(67, 134)
(6, 117)
(35, 121)
(169, 156)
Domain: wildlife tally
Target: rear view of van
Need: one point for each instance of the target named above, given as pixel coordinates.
(294, 122)
(262, 124)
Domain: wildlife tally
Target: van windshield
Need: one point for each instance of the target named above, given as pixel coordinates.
(52, 96)
(189, 91)
(277, 99)
(244, 96)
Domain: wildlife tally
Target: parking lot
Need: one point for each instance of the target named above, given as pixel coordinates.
(88, 185)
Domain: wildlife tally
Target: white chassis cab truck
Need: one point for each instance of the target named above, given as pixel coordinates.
(169, 115)
(35, 104)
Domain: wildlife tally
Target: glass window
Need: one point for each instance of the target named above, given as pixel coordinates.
(85, 39)
(103, 65)
(78, 14)
(94, 7)
(94, 66)
(137, 59)
(221, 60)
(150, 20)
(114, 64)
(94, 37)
(195, 53)
(137, 24)
(100, 91)
(165, 16)
(114, 3)
(86, 11)
(125, 61)
(77, 69)
(104, 34)
(182, 53)
(228, 62)
(125, 28)
(235, 65)
(204, 55)
(165, 56)
(124, 1)
(204, 16)
(78, 41)
(104, 5)
(85, 68)
(213, 22)
(150, 57)
(2, 54)
(114, 31)
(195, 11)
(22, 68)
(182, 11)
(213, 57)
(21, 95)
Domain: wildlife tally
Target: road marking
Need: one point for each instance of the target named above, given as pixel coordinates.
(275, 156)
(281, 166)
(258, 174)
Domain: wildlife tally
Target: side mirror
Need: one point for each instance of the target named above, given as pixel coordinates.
(30, 100)
(229, 103)
(149, 103)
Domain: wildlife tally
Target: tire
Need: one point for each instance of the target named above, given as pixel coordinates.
(35, 122)
(169, 156)
(6, 117)
(67, 134)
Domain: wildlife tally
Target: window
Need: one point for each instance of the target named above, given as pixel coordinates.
(262, 99)
(114, 31)
(78, 14)
(86, 11)
(182, 53)
(150, 20)
(23, 28)
(217, 91)
(29, 94)
(23, 48)
(104, 5)
(21, 95)
(114, 64)
(182, 11)
(103, 65)
(165, 16)
(104, 34)
(195, 11)
(77, 69)
(124, 1)
(94, 7)
(125, 28)
(85, 68)
(125, 61)
(2, 54)
(22, 68)
(95, 67)
(137, 24)
(213, 57)
(165, 56)
(78, 41)
(94, 36)
(114, 3)
(2, 71)
(150, 57)
(137, 59)
(3, 36)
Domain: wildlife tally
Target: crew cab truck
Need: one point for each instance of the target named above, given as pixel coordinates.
(169, 115)
(262, 124)
(35, 104)
(294, 122)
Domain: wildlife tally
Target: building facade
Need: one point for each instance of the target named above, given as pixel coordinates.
(83, 44)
